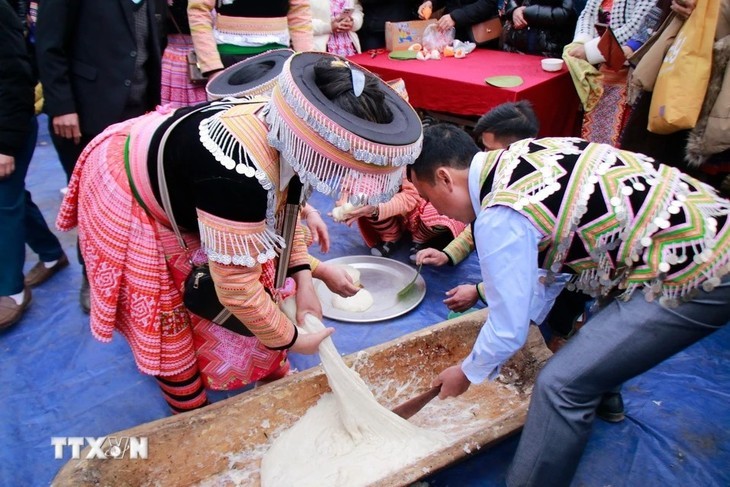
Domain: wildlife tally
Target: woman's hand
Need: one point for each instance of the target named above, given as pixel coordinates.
(306, 297)
(336, 278)
(683, 8)
(518, 18)
(425, 6)
(431, 256)
(318, 229)
(341, 24)
(365, 211)
(453, 382)
(308, 343)
(462, 297)
(445, 23)
(578, 52)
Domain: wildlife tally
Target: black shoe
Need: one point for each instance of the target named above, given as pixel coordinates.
(85, 296)
(383, 249)
(611, 407)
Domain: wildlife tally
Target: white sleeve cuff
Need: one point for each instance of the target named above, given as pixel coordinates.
(476, 373)
(593, 55)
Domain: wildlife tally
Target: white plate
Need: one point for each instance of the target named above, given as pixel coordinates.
(383, 278)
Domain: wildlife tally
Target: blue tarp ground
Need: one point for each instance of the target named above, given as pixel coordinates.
(57, 380)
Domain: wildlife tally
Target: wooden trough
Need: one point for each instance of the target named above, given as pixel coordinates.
(222, 444)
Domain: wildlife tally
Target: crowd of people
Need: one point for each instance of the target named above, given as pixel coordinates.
(193, 132)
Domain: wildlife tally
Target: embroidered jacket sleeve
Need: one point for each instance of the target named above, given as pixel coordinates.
(200, 16)
(459, 248)
(238, 282)
(405, 201)
(299, 19)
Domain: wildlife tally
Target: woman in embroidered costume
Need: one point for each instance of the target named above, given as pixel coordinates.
(649, 242)
(335, 24)
(176, 87)
(228, 166)
(227, 31)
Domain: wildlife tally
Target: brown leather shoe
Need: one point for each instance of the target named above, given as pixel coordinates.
(40, 273)
(10, 311)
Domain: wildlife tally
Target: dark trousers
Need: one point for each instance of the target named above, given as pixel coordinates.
(621, 341)
(21, 222)
(68, 153)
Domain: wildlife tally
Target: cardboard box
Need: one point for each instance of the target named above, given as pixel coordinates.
(400, 35)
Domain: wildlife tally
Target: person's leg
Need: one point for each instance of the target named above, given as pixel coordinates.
(184, 391)
(621, 341)
(68, 154)
(38, 235)
(12, 219)
(14, 296)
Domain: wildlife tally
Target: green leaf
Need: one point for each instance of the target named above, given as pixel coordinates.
(402, 55)
(504, 81)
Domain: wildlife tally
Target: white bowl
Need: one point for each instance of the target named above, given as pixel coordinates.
(552, 64)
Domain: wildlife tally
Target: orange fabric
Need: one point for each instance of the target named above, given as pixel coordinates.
(244, 296)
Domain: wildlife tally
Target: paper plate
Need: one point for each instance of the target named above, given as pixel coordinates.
(504, 81)
(383, 278)
(402, 55)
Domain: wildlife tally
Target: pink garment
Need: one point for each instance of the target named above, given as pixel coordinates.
(339, 42)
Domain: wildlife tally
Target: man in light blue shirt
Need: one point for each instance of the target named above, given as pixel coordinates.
(561, 211)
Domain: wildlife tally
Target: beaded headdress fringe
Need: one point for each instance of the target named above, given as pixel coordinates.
(326, 156)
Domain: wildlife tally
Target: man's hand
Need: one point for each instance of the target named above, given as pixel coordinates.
(462, 297)
(431, 256)
(518, 18)
(453, 382)
(7, 165)
(68, 127)
(445, 23)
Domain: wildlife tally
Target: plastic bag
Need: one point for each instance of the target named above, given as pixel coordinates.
(435, 39)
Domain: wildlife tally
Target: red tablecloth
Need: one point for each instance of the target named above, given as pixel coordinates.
(457, 85)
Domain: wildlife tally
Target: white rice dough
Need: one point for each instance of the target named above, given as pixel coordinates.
(354, 274)
(362, 301)
(347, 438)
(339, 213)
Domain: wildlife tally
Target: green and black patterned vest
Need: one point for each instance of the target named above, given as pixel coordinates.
(615, 219)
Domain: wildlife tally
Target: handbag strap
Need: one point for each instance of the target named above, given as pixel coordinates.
(177, 26)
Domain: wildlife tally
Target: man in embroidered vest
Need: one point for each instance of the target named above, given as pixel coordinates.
(650, 243)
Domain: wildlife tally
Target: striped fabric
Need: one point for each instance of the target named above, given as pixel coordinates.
(407, 212)
(460, 248)
(177, 90)
(183, 391)
(208, 30)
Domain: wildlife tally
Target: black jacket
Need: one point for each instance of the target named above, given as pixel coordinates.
(376, 13)
(551, 24)
(86, 54)
(466, 13)
(16, 83)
